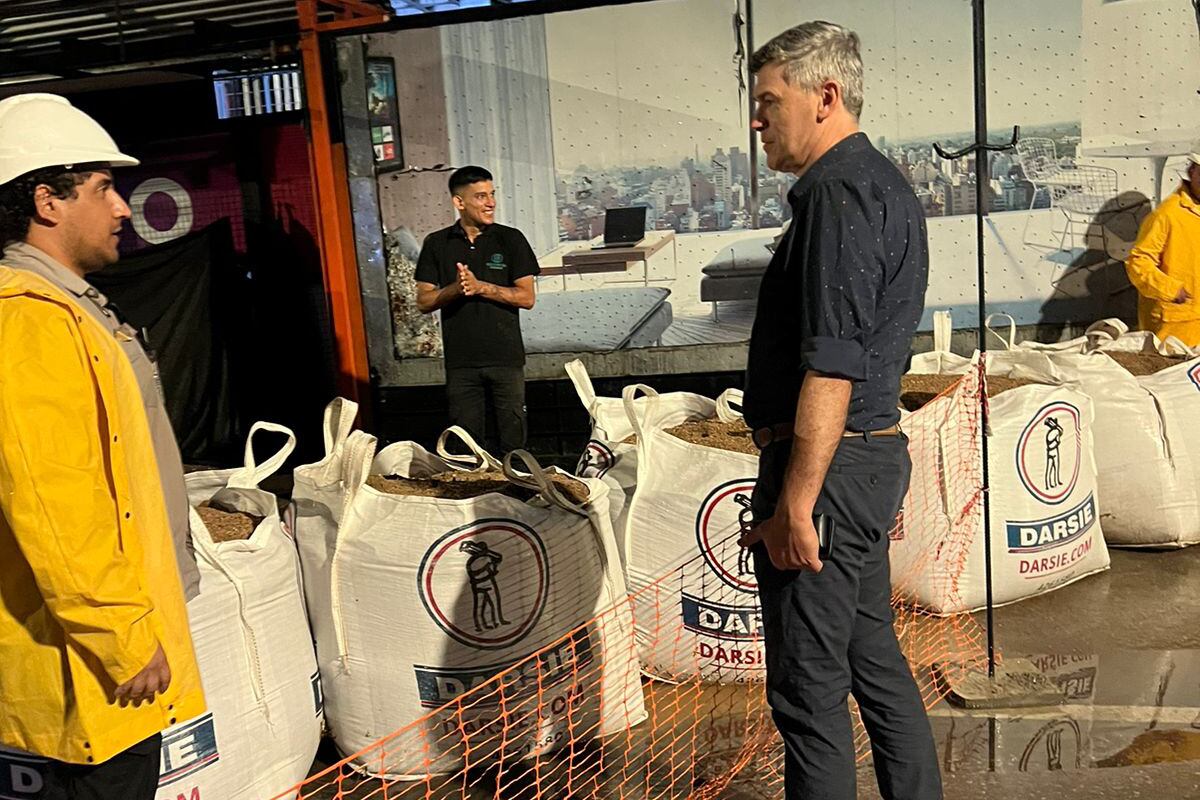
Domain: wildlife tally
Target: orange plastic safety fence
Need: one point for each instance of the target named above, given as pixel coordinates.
(533, 729)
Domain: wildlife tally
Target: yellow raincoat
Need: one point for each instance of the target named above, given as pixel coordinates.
(89, 586)
(1164, 259)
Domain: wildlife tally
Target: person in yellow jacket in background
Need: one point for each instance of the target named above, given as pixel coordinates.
(96, 657)
(1164, 264)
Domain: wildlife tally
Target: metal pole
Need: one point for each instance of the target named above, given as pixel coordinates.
(120, 29)
(981, 185)
(334, 224)
(753, 133)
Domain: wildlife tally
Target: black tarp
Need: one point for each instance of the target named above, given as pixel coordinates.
(185, 294)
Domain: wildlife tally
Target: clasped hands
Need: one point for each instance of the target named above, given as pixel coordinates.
(469, 285)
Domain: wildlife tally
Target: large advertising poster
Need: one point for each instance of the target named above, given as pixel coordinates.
(584, 113)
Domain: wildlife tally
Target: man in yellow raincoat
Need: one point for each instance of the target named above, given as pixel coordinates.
(1164, 264)
(96, 657)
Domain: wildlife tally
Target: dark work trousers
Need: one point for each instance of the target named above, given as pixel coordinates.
(830, 634)
(474, 391)
(130, 775)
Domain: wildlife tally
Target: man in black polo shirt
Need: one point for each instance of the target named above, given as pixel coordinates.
(838, 306)
(479, 274)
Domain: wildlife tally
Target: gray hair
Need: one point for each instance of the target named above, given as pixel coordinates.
(814, 52)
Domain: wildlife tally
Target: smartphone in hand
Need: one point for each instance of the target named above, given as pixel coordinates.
(826, 529)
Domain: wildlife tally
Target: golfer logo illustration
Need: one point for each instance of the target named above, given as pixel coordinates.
(482, 567)
(1054, 435)
(723, 515)
(596, 461)
(1060, 741)
(745, 525)
(486, 583)
(1054, 750)
(1049, 452)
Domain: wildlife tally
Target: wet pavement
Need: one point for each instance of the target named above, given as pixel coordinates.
(1147, 600)
(1123, 650)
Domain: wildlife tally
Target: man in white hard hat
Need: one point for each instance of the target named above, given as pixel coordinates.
(1164, 264)
(96, 658)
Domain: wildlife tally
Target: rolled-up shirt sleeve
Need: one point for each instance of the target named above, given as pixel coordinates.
(839, 277)
(427, 263)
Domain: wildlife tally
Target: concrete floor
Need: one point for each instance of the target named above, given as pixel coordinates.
(1153, 782)
(1124, 649)
(1148, 600)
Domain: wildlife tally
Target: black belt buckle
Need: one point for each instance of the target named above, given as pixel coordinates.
(762, 437)
(770, 434)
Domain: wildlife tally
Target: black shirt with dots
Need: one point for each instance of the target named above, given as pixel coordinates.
(844, 292)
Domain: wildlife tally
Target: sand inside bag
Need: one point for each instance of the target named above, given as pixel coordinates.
(917, 389)
(227, 526)
(1144, 363)
(454, 485)
(731, 436)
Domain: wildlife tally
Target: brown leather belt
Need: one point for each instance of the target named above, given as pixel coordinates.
(783, 431)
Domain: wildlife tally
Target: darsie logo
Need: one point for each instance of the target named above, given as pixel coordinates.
(187, 749)
(1043, 534)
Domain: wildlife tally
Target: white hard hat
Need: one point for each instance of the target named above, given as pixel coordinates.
(45, 130)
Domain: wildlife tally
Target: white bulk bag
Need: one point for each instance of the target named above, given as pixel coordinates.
(1145, 458)
(695, 594)
(1044, 503)
(415, 600)
(936, 552)
(1176, 392)
(607, 456)
(254, 648)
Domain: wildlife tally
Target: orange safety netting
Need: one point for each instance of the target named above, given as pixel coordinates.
(699, 739)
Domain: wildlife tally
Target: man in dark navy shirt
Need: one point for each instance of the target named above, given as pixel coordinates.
(479, 274)
(838, 306)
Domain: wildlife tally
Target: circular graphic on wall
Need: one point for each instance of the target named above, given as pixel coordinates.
(149, 206)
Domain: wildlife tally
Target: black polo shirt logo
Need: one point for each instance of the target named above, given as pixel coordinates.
(497, 261)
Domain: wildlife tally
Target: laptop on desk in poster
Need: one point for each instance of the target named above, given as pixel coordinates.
(623, 227)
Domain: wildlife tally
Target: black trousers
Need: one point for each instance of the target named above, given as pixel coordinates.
(473, 392)
(130, 775)
(830, 634)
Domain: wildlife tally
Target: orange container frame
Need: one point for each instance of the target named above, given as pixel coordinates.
(335, 229)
